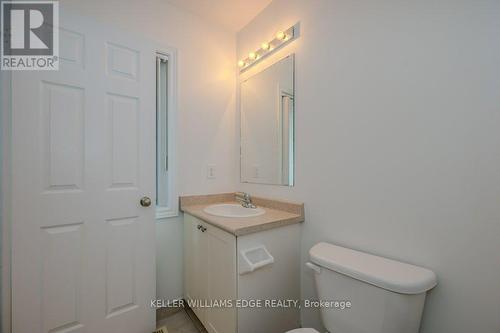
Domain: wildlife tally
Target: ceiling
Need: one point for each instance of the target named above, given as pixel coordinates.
(231, 14)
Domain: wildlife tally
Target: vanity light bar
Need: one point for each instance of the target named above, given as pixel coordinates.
(281, 39)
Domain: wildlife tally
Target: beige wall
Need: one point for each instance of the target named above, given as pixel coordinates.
(397, 127)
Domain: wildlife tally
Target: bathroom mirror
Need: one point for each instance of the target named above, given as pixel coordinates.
(267, 125)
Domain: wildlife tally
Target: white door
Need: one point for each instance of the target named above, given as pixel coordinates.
(83, 155)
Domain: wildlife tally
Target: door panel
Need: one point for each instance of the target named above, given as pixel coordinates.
(61, 276)
(63, 141)
(123, 62)
(120, 268)
(123, 118)
(71, 48)
(83, 154)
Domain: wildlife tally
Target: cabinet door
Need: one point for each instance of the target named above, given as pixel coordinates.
(195, 265)
(221, 278)
(189, 235)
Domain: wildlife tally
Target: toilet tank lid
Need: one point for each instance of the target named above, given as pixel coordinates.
(384, 273)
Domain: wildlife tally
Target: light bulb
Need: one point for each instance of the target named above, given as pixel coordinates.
(265, 46)
(280, 35)
(241, 63)
(252, 56)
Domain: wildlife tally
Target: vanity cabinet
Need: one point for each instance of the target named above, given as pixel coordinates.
(219, 266)
(210, 273)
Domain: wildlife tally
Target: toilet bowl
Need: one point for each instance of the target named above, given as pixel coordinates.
(386, 296)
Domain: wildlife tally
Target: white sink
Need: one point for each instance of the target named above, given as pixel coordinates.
(233, 210)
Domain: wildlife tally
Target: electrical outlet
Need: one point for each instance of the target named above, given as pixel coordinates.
(256, 171)
(211, 171)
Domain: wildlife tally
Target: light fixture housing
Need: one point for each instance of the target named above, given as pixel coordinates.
(281, 39)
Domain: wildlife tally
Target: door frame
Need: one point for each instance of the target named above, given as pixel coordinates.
(5, 199)
(173, 202)
(5, 168)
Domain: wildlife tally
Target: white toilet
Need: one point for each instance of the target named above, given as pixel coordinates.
(386, 296)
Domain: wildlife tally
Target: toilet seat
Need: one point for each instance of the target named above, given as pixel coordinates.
(303, 330)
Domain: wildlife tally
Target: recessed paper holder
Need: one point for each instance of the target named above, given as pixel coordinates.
(254, 258)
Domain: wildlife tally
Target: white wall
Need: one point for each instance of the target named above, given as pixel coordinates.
(206, 109)
(398, 141)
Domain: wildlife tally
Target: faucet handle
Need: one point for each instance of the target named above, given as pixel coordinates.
(244, 199)
(242, 196)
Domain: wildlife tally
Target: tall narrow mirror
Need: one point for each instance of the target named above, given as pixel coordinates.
(267, 125)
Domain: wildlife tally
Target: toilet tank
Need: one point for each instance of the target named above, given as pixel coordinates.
(385, 296)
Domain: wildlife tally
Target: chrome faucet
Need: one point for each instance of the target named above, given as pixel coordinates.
(244, 199)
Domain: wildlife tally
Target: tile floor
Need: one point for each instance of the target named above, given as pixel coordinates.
(183, 321)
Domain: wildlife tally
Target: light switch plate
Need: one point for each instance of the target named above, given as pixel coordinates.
(211, 171)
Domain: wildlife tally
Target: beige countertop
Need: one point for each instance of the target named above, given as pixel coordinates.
(277, 213)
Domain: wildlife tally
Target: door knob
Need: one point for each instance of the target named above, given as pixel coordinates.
(145, 202)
